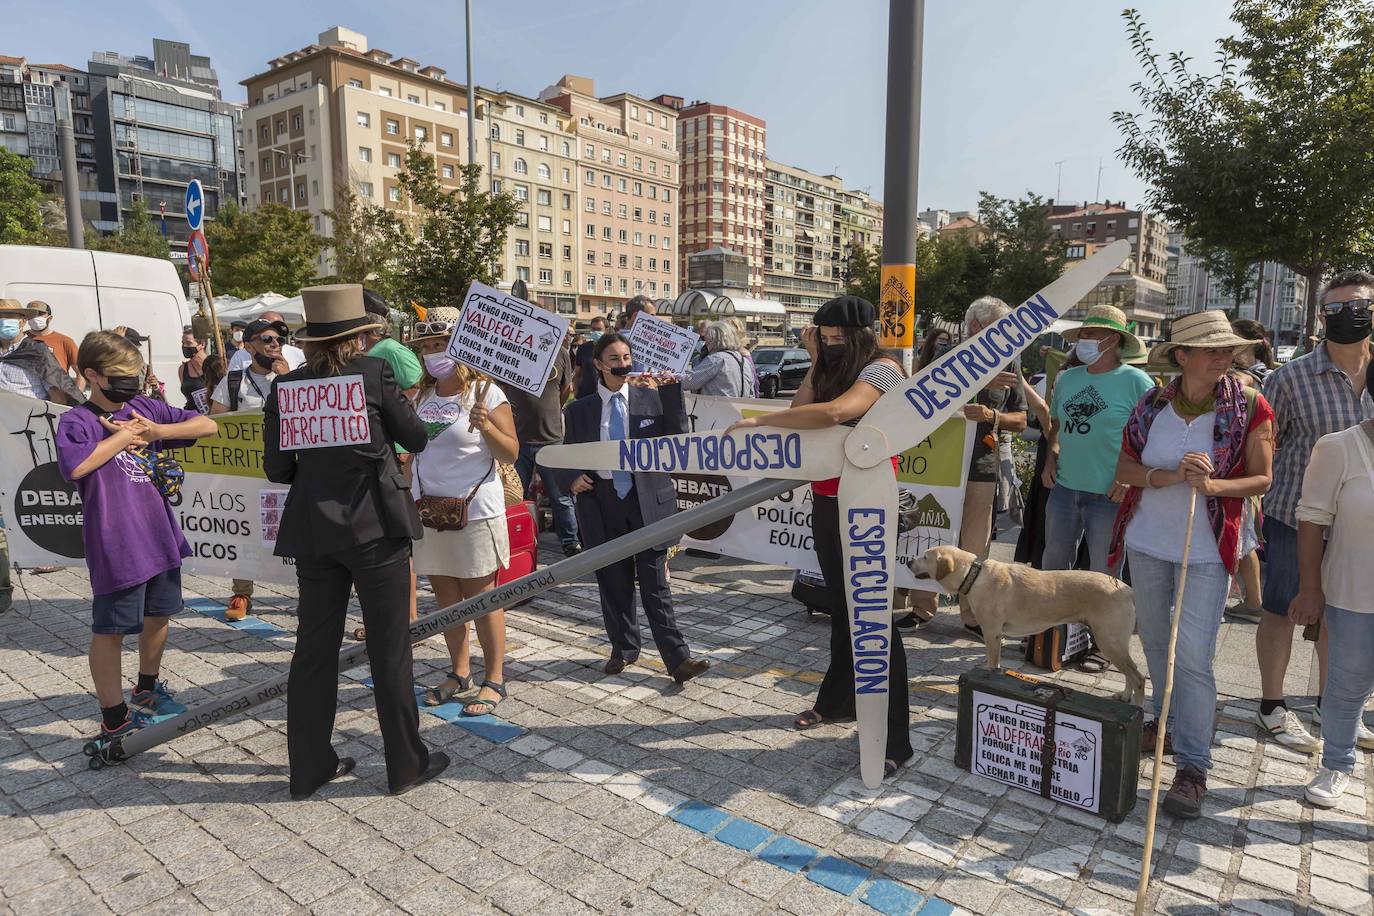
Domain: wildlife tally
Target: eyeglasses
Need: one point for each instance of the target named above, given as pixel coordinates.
(1360, 306)
(269, 339)
(427, 328)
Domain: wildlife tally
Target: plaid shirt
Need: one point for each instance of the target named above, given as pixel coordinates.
(1311, 398)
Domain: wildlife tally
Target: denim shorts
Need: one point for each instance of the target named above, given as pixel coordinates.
(1280, 566)
(121, 613)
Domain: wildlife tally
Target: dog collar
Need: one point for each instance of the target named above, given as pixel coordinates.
(974, 569)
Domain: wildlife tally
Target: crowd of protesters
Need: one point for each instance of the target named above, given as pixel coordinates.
(1276, 464)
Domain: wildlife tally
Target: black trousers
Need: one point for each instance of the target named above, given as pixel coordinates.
(835, 699)
(380, 571)
(602, 516)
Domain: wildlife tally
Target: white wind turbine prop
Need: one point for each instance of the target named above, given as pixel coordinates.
(860, 457)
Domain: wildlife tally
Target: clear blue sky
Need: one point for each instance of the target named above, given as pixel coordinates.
(1010, 87)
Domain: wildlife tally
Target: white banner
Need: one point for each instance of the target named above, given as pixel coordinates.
(778, 532)
(507, 338)
(661, 346)
(226, 508)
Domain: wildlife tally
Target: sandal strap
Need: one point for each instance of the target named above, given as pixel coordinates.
(493, 685)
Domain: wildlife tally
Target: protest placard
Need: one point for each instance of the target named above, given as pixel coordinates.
(507, 338)
(323, 413)
(661, 346)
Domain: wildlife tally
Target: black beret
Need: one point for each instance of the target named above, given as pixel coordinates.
(846, 312)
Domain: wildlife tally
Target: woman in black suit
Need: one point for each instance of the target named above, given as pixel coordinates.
(349, 522)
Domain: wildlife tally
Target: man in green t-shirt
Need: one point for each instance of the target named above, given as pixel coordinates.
(405, 365)
(1088, 410)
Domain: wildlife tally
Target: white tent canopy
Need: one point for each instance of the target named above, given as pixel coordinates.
(292, 309)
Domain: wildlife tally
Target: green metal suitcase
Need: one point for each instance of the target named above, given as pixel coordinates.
(1006, 718)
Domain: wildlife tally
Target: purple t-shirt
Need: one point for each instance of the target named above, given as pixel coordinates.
(129, 530)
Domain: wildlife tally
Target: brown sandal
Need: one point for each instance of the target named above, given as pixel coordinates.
(808, 719)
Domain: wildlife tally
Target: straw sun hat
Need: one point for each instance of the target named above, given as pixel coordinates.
(433, 325)
(1209, 329)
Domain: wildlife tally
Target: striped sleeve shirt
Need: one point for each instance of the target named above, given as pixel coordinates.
(1311, 398)
(882, 375)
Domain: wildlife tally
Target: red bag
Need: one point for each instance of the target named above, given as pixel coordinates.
(522, 527)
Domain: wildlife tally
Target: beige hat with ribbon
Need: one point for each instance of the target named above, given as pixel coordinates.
(334, 311)
(17, 308)
(1209, 329)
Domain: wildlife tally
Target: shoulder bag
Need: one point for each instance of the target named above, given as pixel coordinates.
(446, 513)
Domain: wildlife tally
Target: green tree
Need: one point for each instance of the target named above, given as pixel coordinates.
(137, 235)
(366, 239)
(864, 273)
(270, 248)
(1025, 253)
(454, 237)
(1268, 158)
(21, 216)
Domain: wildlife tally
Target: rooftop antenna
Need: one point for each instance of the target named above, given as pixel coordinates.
(1097, 198)
(1059, 186)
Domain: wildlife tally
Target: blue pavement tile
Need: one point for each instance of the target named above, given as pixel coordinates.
(887, 896)
(743, 834)
(788, 854)
(497, 731)
(937, 907)
(700, 817)
(840, 875)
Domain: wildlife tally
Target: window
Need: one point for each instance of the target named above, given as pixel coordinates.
(421, 134)
(653, 192)
(667, 220)
(639, 286)
(591, 231)
(393, 127)
(544, 142)
(653, 263)
(567, 252)
(546, 224)
(522, 219)
(295, 122)
(639, 164)
(606, 154)
(543, 117)
(623, 211)
(545, 275)
(621, 185)
(496, 186)
(281, 125)
(567, 201)
(606, 233)
(545, 249)
(653, 240)
(522, 248)
(383, 90)
(606, 207)
(634, 111)
(567, 176)
(364, 189)
(667, 270)
(495, 162)
(495, 133)
(393, 160)
(567, 226)
(413, 99)
(522, 273)
(591, 284)
(567, 148)
(521, 168)
(590, 177)
(364, 119)
(364, 154)
(667, 243)
(591, 205)
(653, 167)
(624, 286)
(623, 235)
(639, 188)
(639, 238)
(606, 180)
(639, 214)
(667, 196)
(591, 256)
(300, 192)
(356, 84)
(446, 171)
(519, 138)
(543, 197)
(653, 216)
(522, 192)
(393, 195)
(519, 111)
(639, 262)
(606, 284)
(543, 171)
(567, 278)
(440, 106)
(590, 151)
(446, 139)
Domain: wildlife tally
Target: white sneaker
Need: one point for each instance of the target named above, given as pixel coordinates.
(1286, 728)
(1364, 738)
(1326, 790)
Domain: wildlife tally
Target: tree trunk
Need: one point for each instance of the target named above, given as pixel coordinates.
(1314, 279)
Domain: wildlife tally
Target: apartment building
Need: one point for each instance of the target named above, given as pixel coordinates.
(628, 184)
(1274, 294)
(1138, 286)
(533, 155)
(339, 113)
(723, 156)
(802, 259)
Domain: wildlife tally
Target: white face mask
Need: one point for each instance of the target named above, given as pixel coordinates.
(440, 365)
(1088, 351)
(38, 324)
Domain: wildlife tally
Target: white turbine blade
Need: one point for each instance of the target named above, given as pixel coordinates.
(868, 540)
(905, 416)
(789, 454)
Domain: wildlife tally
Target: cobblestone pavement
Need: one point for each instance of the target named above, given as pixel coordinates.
(618, 794)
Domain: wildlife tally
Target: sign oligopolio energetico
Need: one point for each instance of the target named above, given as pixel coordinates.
(860, 457)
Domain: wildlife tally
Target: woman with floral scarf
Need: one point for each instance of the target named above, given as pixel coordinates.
(1209, 434)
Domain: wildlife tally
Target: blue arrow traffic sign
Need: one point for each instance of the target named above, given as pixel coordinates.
(195, 204)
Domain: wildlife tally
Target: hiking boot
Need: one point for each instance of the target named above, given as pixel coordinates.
(1364, 738)
(1149, 734)
(156, 702)
(1326, 790)
(1286, 728)
(1184, 798)
(239, 606)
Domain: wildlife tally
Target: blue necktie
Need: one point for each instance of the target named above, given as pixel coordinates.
(617, 425)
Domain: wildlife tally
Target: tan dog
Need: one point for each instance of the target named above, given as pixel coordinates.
(1012, 599)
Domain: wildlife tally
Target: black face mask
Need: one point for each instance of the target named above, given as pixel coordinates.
(189, 352)
(265, 361)
(1347, 326)
(833, 354)
(121, 388)
(621, 371)
(943, 347)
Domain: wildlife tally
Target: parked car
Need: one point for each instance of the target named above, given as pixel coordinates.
(781, 369)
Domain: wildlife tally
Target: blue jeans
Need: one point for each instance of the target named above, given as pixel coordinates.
(1349, 681)
(564, 516)
(1192, 711)
(1071, 516)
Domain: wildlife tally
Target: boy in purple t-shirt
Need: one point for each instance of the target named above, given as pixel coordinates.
(134, 546)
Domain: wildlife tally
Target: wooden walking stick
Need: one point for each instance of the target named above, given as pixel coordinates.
(1143, 887)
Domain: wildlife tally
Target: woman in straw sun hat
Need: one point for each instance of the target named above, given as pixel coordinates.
(1209, 435)
(349, 522)
(1088, 409)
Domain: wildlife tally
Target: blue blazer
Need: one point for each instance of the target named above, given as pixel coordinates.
(652, 412)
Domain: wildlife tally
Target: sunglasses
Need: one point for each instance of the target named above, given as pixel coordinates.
(427, 328)
(1359, 306)
(269, 339)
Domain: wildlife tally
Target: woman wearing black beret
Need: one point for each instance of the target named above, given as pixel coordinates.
(848, 375)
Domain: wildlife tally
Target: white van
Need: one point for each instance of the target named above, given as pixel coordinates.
(99, 290)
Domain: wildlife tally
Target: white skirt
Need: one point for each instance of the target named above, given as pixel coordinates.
(478, 550)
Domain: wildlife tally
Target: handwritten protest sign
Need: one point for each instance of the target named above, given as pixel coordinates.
(507, 338)
(322, 413)
(661, 346)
